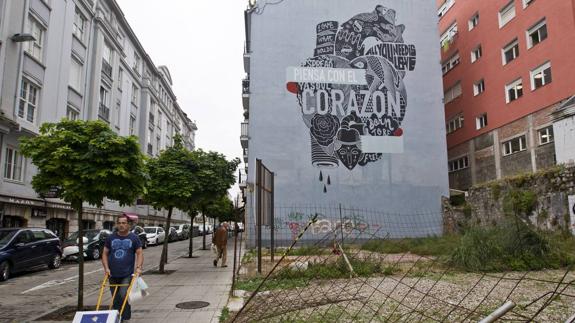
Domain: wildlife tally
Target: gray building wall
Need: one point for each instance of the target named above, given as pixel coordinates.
(397, 184)
(104, 24)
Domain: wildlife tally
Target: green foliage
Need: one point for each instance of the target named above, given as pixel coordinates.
(221, 208)
(428, 246)
(225, 315)
(519, 202)
(513, 245)
(251, 285)
(86, 161)
(495, 191)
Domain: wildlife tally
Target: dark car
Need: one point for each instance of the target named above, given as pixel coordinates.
(173, 235)
(24, 248)
(93, 244)
(139, 231)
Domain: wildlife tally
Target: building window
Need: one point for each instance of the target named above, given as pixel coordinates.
(35, 48)
(118, 113)
(514, 90)
(545, 135)
(537, 34)
(76, 75)
(452, 93)
(454, 124)
(526, 3)
(104, 107)
(28, 100)
(448, 36)
(160, 120)
(13, 165)
(473, 22)
(134, 94)
(107, 56)
(514, 145)
(79, 25)
(158, 145)
(481, 121)
(510, 52)
(458, 164)
(120, 78)
(132, 125)
(151, 124)
(447, 4)
(476, 54)
(136, 65)
(541, 76)
(450, 63)
(478, 87)
(507, 13)
(72, 113)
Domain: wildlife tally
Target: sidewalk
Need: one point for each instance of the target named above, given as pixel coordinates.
(191, 280)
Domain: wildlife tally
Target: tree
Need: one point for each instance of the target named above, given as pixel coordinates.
(85, 161)
(172, 183)
(214, 176)
(221, 208)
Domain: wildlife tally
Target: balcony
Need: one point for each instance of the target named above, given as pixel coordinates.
(246, 94)
(244, 138)
(104, 112)
(247, 56)
(245, 155)
(242, 178)
(106, 69)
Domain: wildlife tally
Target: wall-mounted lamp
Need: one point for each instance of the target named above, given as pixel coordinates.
(19, 38)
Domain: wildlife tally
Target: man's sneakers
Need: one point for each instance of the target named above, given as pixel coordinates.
(215, 262)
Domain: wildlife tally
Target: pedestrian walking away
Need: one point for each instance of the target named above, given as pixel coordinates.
(221, 242)
(122, 257)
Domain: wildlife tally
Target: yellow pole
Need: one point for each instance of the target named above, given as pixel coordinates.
(102, 287)
(128, 293)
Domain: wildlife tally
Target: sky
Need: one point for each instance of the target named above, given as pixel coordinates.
(201, 43)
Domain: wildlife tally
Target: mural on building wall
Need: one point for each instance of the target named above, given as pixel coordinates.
(351, 93)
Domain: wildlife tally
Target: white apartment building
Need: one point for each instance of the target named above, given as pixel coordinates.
(83, 62)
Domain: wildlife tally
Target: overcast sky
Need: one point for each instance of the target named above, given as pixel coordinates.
(201, 43)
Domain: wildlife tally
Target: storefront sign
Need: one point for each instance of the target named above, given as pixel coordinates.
(20, 201)
(59, 206)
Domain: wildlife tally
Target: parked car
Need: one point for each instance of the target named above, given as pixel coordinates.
(195, 231)
(93, 244)
(183, 231)
(24, 248)
(173, 235)
(155, 235)
(139, 231)
(209, 229)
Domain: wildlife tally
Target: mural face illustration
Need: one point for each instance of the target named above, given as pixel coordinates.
(340, 106)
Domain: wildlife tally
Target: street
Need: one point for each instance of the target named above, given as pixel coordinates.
(30, 294)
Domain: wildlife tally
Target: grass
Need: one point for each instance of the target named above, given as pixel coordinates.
(225, 315)
(428, 246)
(251, 285)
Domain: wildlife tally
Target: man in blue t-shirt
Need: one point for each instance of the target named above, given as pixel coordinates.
(122, 252)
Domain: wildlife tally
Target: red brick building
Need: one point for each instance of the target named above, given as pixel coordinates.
(507, 64)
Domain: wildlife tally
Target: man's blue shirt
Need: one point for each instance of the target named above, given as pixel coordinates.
(122, 254)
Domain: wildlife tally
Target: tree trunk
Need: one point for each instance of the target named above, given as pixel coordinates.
(205, 233)
(80, 258)
(191, 249)
(164, 257)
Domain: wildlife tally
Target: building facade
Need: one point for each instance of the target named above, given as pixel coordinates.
(343, 106)
(83, 62)
(505, 72)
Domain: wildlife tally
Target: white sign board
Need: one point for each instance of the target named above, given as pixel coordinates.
(572, 212)
(97, 317)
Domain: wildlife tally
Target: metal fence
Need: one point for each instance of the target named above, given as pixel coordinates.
(333, 277)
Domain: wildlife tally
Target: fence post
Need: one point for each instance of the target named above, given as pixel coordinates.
(259, 212)
(272, 216)
(340, 225)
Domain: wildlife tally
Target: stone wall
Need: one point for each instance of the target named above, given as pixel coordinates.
(488, 203)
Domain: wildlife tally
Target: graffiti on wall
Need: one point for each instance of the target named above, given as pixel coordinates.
(351, 93)
(296, 221)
